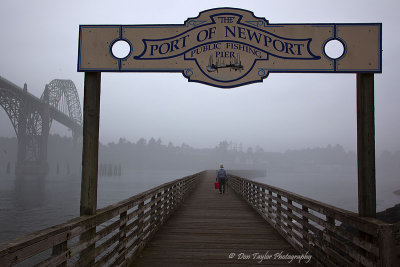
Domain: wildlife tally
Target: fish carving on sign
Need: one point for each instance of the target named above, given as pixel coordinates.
(227, 47)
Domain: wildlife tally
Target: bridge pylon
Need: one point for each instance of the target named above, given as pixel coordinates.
(32, 118)
(33, 132)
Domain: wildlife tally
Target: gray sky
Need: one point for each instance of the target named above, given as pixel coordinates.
(39, 43)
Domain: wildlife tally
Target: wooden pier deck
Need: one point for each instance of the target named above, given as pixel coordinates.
(212, 229)
(186, 222)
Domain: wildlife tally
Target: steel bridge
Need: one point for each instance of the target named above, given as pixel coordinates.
(32, 117)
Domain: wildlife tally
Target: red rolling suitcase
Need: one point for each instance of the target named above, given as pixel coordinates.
(216, 185)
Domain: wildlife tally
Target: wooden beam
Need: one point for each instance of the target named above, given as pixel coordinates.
(90, 151)
(366, 145)
(91, 115)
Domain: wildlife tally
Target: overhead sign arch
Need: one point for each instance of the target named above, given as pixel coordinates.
(226, 48)
(230, 47)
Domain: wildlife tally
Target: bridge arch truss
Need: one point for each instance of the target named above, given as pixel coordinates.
(32, 118)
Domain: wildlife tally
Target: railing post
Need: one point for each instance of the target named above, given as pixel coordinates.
(167, 202)
(289, 210)
(157, 215)
(122, 237)
(387, 246)
(254, 196)
(259, 194)
(59, 249)
(305, 221)
(330, 220)
(140, 224)
(279, 211)
(248, 192)
(264, 205)
(270, 205)
(181, 186)
(173, 198)
(251, 195)
(243, 188)
(153, 213)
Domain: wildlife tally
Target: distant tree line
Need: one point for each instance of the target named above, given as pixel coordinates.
(64, 157)
(153, 154)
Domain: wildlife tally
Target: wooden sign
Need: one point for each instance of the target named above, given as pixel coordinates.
(229, 47)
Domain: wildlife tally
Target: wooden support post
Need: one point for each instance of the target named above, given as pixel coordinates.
(366, 145)
(91, 116)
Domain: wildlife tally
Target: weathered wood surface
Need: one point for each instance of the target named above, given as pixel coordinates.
(209, 227)
(90, 147)
(366, 145)
(330, 234)
(121, 231)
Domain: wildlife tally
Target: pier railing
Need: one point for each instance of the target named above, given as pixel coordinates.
(333, 236)
(114, 236)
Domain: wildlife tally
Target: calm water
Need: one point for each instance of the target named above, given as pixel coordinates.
(29, 204)
(339, 189)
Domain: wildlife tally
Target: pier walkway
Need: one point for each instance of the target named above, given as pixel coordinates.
(212, 229)
(186, 222)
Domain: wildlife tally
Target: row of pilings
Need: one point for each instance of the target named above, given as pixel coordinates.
(60, 169)
(108, 169)
(105, 169)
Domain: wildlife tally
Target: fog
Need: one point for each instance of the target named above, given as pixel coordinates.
(327, 174)
(286, 111)
(299, 128)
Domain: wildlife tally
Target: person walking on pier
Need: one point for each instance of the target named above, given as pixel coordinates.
(222, 177)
